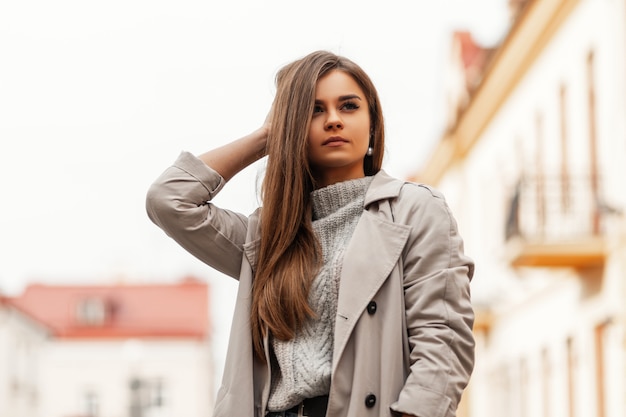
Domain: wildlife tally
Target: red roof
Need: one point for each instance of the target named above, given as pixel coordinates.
(178, 310)
(8, 303)
(473, 57)
(471, 52)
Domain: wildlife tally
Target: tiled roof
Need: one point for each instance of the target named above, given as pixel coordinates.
(471, 52)
(8, 303)
(179, 310)
(474, 58)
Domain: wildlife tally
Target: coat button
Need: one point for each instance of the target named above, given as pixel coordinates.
(371, 307)
(370, 401)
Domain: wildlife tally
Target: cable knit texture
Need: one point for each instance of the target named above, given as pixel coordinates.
(302, 366)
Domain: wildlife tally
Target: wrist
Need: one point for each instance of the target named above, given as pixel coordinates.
(257, 141)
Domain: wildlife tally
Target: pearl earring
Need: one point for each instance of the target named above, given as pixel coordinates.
(370, 151)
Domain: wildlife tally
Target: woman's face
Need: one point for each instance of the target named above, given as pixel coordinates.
(340, 129)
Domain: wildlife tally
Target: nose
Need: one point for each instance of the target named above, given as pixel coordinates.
(333, 121)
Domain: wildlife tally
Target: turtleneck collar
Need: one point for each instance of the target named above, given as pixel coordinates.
(329, 199)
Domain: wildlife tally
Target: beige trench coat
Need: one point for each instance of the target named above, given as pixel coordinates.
(403, 333)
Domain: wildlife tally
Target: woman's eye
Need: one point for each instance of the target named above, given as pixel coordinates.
(349, 105)
(317, 109)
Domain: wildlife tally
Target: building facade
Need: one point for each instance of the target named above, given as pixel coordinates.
(120, 350)
(22, 339)
(532, 163)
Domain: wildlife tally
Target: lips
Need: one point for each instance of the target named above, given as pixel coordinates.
(334, 141)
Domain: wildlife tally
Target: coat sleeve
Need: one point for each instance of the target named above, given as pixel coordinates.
(438, 309)
(179, 202)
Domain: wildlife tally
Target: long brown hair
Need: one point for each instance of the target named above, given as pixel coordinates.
(289, 254)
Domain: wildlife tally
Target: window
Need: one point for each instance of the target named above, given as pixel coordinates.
(599, 339)
(147, 397)
(90, 404)
(571, 377)
(546, 377)
(91, 312)
(565, 174)
(593, 139)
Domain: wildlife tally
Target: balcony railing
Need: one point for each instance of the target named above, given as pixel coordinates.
(556, 221)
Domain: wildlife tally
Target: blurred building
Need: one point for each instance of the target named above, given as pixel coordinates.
(114, 351)
(21, 339)
(533, 164)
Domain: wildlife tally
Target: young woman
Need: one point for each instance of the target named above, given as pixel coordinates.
(353, 294)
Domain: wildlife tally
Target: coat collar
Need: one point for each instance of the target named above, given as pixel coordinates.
(383, 187)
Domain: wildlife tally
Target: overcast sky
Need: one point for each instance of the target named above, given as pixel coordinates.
(98, 97)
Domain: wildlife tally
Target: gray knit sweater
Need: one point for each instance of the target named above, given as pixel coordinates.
(302, 366)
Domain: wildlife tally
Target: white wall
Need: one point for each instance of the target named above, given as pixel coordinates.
(70, 369)
(20, 343)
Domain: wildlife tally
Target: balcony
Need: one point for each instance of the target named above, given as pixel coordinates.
(556, 222)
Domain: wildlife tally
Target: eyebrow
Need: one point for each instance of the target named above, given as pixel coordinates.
(344, 98)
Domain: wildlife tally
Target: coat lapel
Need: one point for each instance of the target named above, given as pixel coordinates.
(374, 249)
